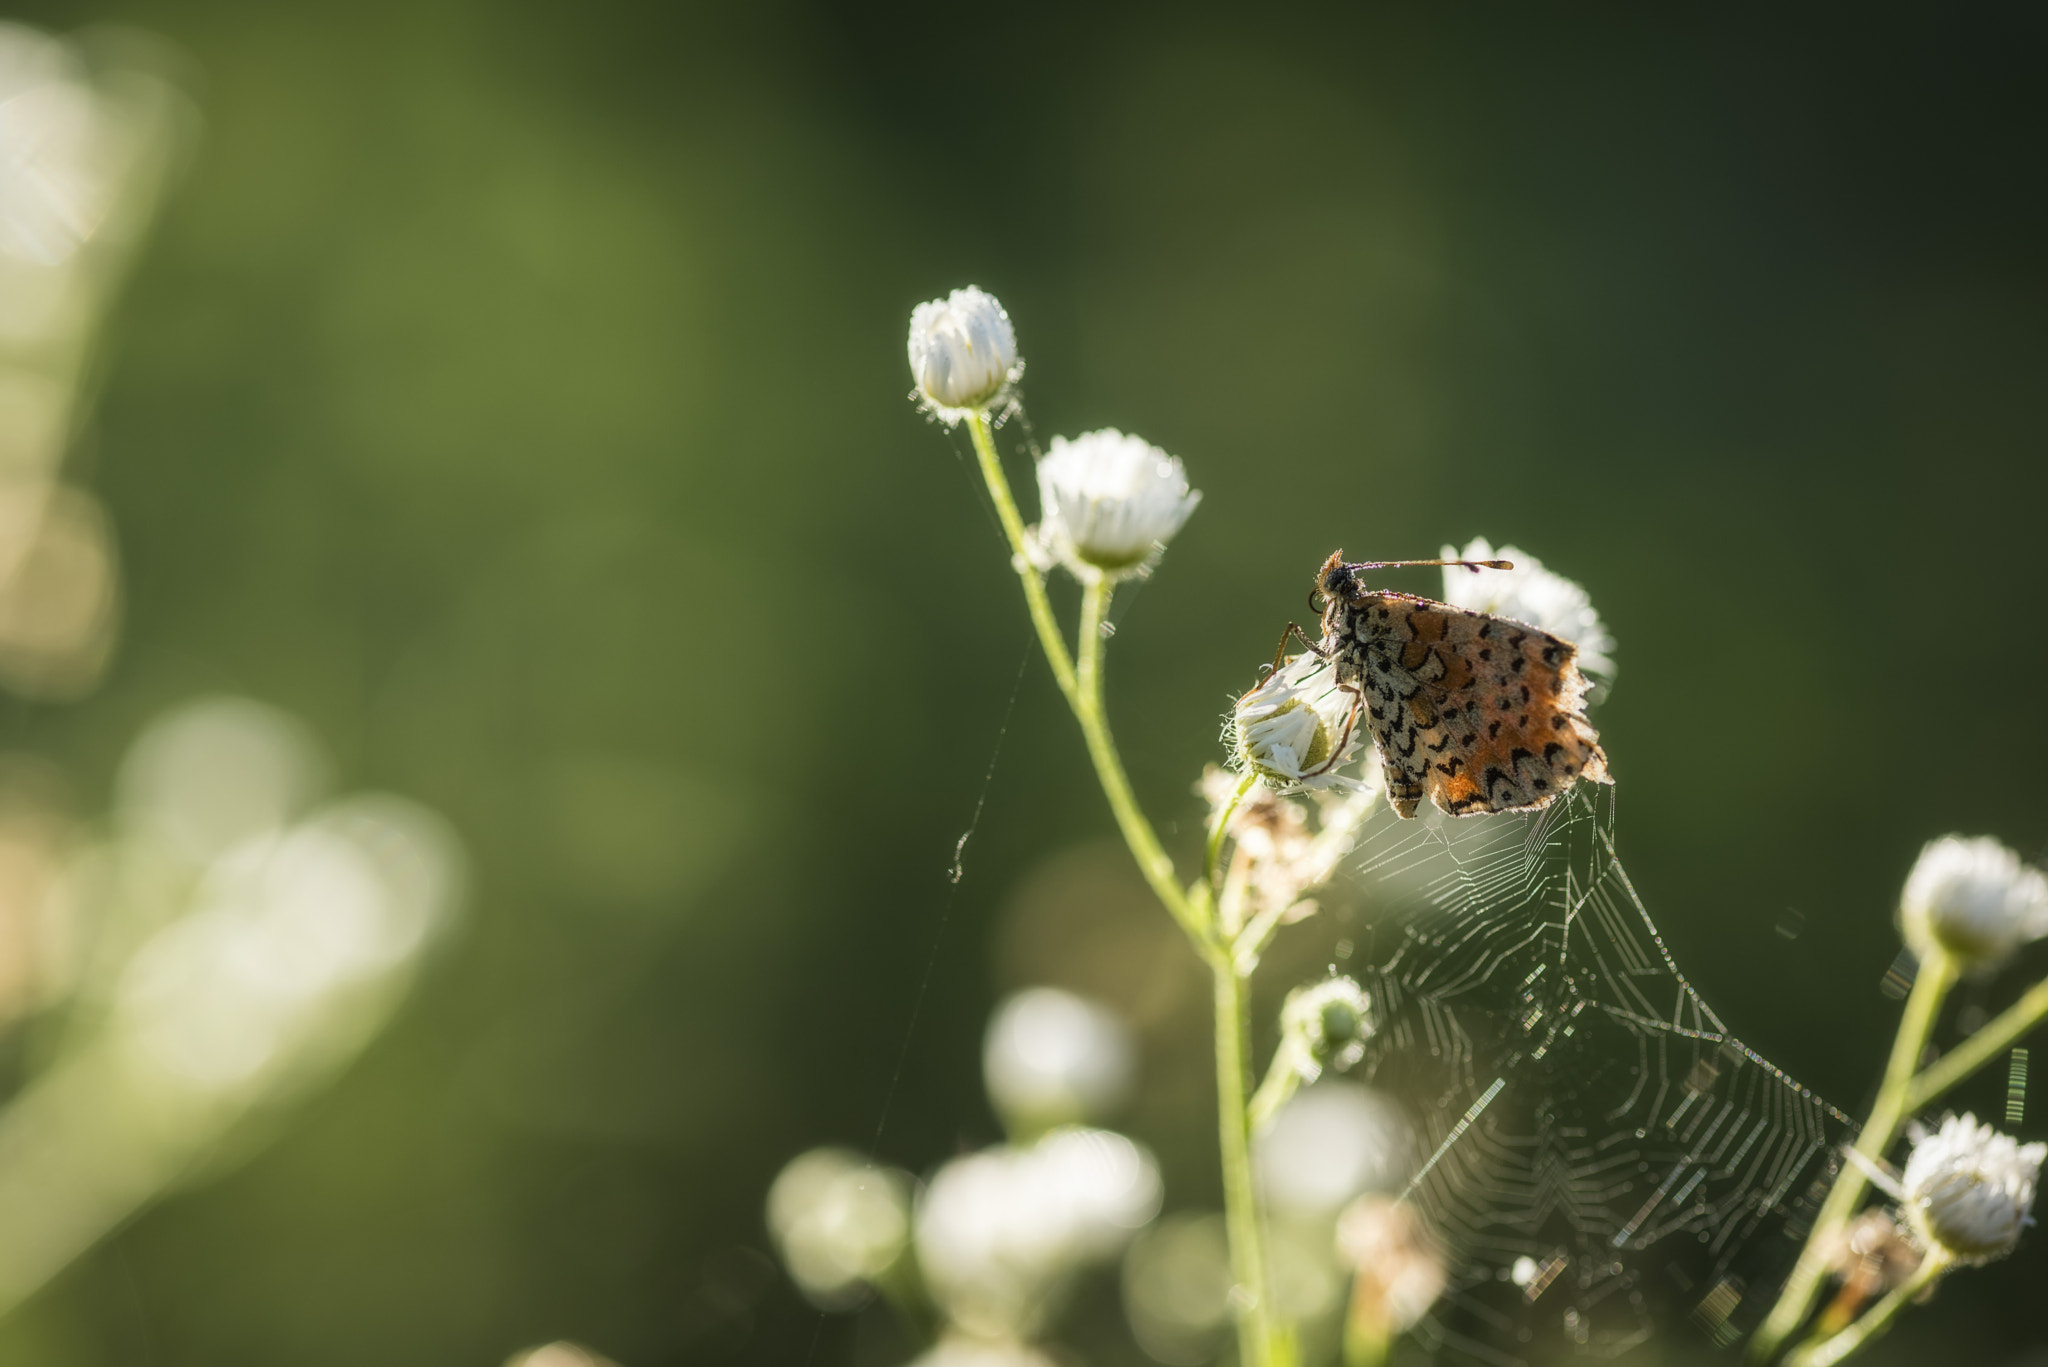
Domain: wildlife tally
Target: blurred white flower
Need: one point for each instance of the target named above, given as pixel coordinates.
(998, 1230)
(290, 937)
(1968, 1189)
(963, 353)
(209, 774)
(1973, 899)
(960, 1350)
(560, 1353)
(1296, 729)
(1529, 593)
(1325, 1025)
(1176, 1284)
(1329, 1143)
(839, 1221)
(1052, 1058)
(1399, 1273)
(1108, 502)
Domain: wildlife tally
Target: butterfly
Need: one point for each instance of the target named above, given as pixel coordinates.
(1478, 713)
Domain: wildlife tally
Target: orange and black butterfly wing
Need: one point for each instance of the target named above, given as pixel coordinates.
(1480, 713)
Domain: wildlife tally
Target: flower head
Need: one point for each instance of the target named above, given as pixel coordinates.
(839, 1221)
(1969, 1189)
(963, 353)
(998, 1230)
(1053, 1058)
(1108, 502)
(1326, 1025)
(1529, 593)
(1297, 728)
(1973, 899)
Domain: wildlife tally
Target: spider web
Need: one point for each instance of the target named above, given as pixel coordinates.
(1599, 1156)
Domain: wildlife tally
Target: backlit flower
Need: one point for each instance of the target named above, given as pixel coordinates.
(1325, 1025)
(1297, 728)
(839, 1221)
(1530, 593)
(1969, 1189)
(1052, 1058)
(998, 1230)
(1108, 502)
(963, 353)
(1972, 899)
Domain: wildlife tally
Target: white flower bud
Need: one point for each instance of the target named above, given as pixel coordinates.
(998, 1231)
(1052, 1058)
(1529, 593)
(1108, 502)
(1326, 1025)
(1328, 1144)
(839, 1221)
(1972, 899)
(1296, 729)
(1969, 1189)
(963, 353)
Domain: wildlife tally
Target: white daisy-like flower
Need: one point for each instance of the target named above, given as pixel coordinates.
(963, 353)
(1972, 899)
(961, 1350)
(1325, 1025)
(999, 1230)
(1109, 502)
(839, 1221)
(1969, 1189)
(1296, 729)
(1529, 593)
(1052, 1058)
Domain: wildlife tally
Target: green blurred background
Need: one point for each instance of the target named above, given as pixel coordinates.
(517, 393)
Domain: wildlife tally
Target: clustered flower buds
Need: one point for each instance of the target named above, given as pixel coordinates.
(1972, 900)
(1968, 1189)
(963, 353)
(1109, 501)
(1530, 593)
(1297, 728)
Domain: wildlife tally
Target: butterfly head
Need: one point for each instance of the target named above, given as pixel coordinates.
(1337, 581)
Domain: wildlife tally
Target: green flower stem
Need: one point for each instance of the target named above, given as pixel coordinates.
(1034, 582)
(1240, 1205)
(1282, 1080)
(1212, 855)
(2006, 1030)
(1153, 860)
(1890, 1110)
(1865, 1331)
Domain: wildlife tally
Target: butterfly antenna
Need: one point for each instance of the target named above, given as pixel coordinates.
(1474, 565)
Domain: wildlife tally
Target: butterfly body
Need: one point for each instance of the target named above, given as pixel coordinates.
(1478, 713)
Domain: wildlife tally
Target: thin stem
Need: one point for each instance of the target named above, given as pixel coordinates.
(1212, 856)
(1866, 1330)
(1930, 989)
(1282, 1080)
(1956, 1066)
(1034, 582)
(1240, 1208)
(1153, 860)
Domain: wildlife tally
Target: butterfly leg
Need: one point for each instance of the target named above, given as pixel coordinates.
(1350, 726)
(1280, 655)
